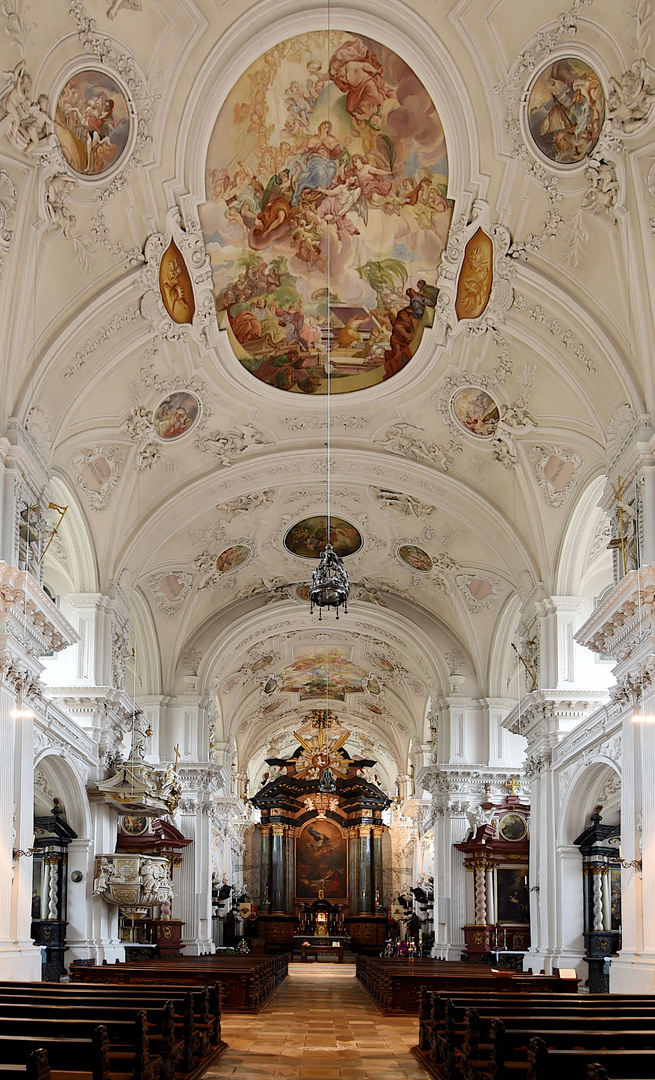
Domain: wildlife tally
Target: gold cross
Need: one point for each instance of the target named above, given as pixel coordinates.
(512, 785)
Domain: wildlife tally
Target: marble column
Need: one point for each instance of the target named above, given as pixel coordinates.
(265, 896)
(366, 898)
(378, 899)
(277, 870)
(288, 871)
(353, 870)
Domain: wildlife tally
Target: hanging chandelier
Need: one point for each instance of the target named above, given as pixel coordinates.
(330, 585)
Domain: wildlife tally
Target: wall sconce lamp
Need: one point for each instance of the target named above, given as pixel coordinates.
(634, 865)
(18, 853)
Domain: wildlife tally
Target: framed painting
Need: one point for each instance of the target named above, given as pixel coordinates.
(512, 896)
(321, 861)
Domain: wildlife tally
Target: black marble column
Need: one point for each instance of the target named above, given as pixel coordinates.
(378, 831)
(288, 871)
(277, 870)
(265, 871)
(353, 871)
(366, 898)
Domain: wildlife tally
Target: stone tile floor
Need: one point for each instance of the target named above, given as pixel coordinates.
(320, 1025)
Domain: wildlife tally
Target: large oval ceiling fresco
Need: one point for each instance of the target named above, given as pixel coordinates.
(326, 213)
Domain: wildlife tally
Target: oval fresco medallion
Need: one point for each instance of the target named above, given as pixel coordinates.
(302, 592)
(566, 110)
(415, 557)
(308, 537)
(176, 415)
(475, 277)
(383, 662)
(264, 661)
(476, 411)
(232, 557)
(373, 708)
(92, 122)
(328, 142)
(175, 285)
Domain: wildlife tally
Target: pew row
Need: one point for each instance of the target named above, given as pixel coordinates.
(394, 983)
(247, 982)
(481, 1036)
(111, 1035)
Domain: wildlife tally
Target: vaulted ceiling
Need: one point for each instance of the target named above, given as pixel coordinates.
(485, 451)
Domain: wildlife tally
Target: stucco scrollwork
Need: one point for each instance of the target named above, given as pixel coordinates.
(556, 470)
(97, 473)
(177, 277)
(7, 208)
(170, 589)
(472, 281)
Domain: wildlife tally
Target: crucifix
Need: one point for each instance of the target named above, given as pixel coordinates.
(176, 751)
(61, 510)
(530, 670)
(620, 540)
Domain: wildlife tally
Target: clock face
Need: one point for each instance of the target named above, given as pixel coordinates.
(513, 827)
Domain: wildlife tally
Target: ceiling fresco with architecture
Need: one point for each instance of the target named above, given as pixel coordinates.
(327, 213)
(213, 194)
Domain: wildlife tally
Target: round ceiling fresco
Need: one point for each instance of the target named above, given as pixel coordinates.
(92, 122)
(326, 213)
(232, 557)
(308, 537)
(476, 411)
(176, 415)
(566, 110)
(415, 557)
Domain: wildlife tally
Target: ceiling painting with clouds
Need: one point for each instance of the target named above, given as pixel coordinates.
(326, 213)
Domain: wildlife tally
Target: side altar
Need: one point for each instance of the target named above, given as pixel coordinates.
(321, 836)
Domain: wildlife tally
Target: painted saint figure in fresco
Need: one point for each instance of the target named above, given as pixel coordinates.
(321, 861)
(566, 111)
(349, 173)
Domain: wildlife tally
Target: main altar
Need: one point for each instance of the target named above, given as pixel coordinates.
(321, 836)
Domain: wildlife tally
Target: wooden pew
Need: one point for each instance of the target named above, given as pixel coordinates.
(127, 1051)
(394, 982)
(465, 1036)
(246, 982)
(74, 1057)
(206, 1005)
(187, 1043)
(546, 1064)
(36, 1067)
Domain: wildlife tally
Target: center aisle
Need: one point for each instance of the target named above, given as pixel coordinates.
(320, 1025)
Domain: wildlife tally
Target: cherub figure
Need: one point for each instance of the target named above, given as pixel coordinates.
(116, 5)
